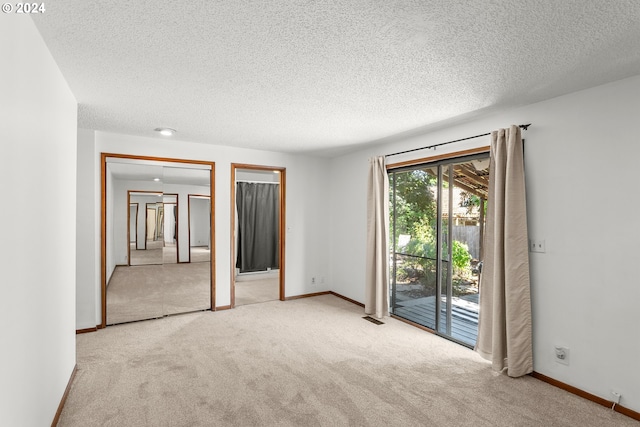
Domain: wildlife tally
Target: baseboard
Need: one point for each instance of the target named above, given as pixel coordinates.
(223, 307)
(592, 397)
(574, 390)
(347, 299)
(315, 294)
(54, 423)
(84, 331)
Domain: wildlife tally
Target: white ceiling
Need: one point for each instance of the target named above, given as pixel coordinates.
(322, 76)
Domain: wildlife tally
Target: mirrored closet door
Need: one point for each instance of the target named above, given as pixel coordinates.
(148, 268)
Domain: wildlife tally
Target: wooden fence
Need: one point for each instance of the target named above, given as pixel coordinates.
(470, 235)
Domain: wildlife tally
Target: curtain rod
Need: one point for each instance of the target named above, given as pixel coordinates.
(524, 127)
(256, 182)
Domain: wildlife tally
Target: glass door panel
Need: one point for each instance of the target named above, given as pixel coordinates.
(414, 230)
(437, 225)
(444, 239)
(469, 191)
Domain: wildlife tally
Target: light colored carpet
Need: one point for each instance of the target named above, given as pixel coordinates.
(150, 291)
(200, 254)
(257, 288)
(306, 362)
(156, 253)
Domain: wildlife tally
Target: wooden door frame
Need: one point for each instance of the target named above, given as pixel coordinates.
(103, 221)
(281, 246)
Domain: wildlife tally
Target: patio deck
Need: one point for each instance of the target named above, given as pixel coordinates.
(464, 315)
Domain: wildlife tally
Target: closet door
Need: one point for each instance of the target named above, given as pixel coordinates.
(149, 274)
(187, 283)
(134, 242)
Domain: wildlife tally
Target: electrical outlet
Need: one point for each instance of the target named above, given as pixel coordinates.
(616, 397)
(313, 280)
(537, 246)
(562, 355)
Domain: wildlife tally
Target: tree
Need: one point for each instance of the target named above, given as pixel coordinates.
(415, 205)
(415, 214)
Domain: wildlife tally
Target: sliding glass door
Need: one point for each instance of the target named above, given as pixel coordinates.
(437, 223)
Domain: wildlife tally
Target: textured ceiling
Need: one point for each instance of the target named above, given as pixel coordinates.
(319, 76)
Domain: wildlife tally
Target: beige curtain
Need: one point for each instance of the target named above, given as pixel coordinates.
(504, 330)
(377, 275)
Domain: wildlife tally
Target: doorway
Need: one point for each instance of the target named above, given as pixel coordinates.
(257, 234)
(437, 215)
(155, 229)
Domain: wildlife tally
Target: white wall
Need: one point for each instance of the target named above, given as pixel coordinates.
(199, 212)
(307, 246)
(257, 176)
(581, 158)
(170, 221)
(38, 120)
(87, 227)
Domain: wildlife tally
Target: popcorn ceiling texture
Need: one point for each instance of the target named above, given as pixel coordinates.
(299, 76)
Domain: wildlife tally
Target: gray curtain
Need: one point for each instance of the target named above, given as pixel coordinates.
(377, 262)
(258, 207)
(504, 330)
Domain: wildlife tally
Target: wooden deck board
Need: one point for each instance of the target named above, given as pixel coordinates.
(464, 320)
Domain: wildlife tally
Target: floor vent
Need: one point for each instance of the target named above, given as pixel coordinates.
(372, 320)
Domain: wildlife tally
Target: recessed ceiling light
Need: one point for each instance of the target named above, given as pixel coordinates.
(156, 179)
(165, 131)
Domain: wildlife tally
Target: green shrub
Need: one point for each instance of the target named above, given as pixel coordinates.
(461, 257)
